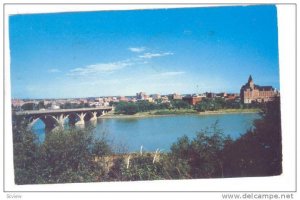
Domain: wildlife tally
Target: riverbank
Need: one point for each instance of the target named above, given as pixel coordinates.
(156, 113)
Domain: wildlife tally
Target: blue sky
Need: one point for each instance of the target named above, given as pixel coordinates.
(186, 50)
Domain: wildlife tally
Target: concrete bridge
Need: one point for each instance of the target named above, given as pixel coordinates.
(54, 118)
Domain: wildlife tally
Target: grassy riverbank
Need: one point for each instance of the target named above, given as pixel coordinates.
(167, 112)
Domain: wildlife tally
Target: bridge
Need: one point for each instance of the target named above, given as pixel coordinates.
(54, 118)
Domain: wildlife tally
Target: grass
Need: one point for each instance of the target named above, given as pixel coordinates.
(154, 113)
(174, 112)
(235, 110)
(191, 111)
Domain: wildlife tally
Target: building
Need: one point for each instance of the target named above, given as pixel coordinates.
(123, 99)
(255, 93)
(99, 99)
(175, 96)
(133, 99)
(232, 97)
(156, 96)
(192, 100)
(221, 95)
(141, 96)
(165, 99)
(210, 95)
(17, 102)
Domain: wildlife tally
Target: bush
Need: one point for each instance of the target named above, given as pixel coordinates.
(210, 104)
(203, 154)
(259, 151)
(26, 155)
(127, 108)
(65, 156)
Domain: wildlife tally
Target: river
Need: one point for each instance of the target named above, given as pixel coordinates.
(129, 134)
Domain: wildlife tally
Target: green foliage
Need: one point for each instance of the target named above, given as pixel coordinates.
(256, 153)
(130, 108)
(65, 156)
(142, 167)
(145, 106)
(174, 112)
(41, 105)
(101, 148)
(180, 104)
(259, 151)
(28, 106)
(232, 104)
(127, 108)
(213, 104)
(253, 105)
(69, 105)
(210, 104)
(65, 152)
(26, 155)
(203, 154)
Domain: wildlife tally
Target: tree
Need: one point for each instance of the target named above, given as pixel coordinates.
(259, 151)
(101, 148)
(233, 104)
(67, 105)
(140, 167)
(127, 108)
(178, 104)
(26, 155)
(41, 105)
(205, 104)
(203, 154)
(65, 156)
(28, 106)
(69, 156)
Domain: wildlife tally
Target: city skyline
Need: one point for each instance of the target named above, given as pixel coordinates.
(119, 53)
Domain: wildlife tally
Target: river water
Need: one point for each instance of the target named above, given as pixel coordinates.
(129, 134)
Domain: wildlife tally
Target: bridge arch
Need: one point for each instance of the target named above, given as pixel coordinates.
(73, 118)
(50, 121)
(31, 121)
(52, 118)
(91, 115)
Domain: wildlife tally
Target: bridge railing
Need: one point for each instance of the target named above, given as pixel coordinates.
(28, 112)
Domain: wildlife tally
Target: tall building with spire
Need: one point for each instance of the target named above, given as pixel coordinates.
(254, 93)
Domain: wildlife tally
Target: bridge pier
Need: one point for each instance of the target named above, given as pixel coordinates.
(94, 118)
(81, 119)
(61, 119)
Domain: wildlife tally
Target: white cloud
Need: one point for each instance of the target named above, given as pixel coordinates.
(137, 49)
(168, 74)
(54, 70)
(151, 55)
(100, 68)
(105, 68)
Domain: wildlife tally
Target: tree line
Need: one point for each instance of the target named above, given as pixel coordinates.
(206, 104)
(75, 155)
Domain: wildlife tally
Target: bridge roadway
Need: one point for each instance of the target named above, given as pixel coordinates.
(53, 118)
(32, 112)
